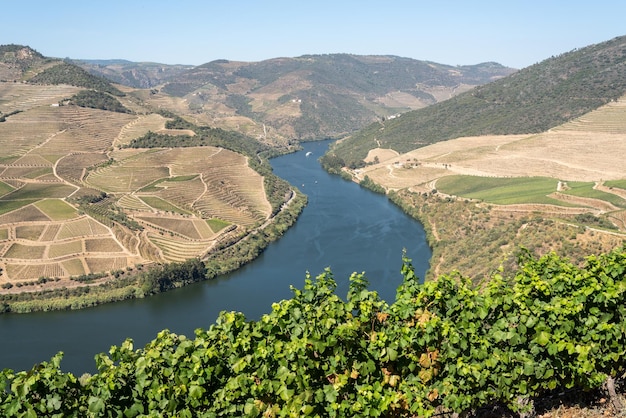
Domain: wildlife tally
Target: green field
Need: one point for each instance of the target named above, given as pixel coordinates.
(29, 232)
(11, 205)
(56, 209)
(502, 191)
(5, 188)
(585, 189)
(41, 171)
(40, 191)
(160, 204)
(620, 184)
(217, 224)
(28, 252)
(182, 178)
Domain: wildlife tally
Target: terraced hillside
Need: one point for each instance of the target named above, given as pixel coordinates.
(74, 203)
(480, 196)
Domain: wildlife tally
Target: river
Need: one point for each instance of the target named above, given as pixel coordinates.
(344, 227)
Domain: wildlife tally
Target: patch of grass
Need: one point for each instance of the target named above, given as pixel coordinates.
(177, 225)
(4, 234)
(160, 204)
(8, 159)
(40, 191)
(74, 267)
(101, 245)
(502, 191)
(217, 225)
(11, 205)
(64, 249)
(129, 176)
(620, 184)
(52, 158)
(5, 188)
(182, 178)
(56, 209)
(152, 187)
(585, 189)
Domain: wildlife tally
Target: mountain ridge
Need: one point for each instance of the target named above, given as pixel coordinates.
(131, 73)
(531, 100)
(317, 96)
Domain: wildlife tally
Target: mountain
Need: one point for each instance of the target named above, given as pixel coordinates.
(531, 100)
(312, 96)
(15, 60)
(22, 63)
(132, 74)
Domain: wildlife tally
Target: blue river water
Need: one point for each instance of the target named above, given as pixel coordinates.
(343, 227)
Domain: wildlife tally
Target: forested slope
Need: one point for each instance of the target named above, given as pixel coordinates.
(531, 100)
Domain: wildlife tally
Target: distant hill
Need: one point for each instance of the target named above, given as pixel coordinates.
(316, 96)
(15, 60)
(531, 100)
(68, 73)
(132, 74)
(22, 63)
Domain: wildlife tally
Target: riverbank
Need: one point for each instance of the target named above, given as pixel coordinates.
(151, 280)
(479, 239)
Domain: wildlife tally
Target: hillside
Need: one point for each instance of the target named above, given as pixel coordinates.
(482, 197)
(67, 73)
(86, 190)
(531, 100)
(15, 60)
(541, 183)
(133, 74)
(22, 63)
(313, 96)
(71, 204)
(93, 183)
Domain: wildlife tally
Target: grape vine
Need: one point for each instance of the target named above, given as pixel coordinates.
(443, 346)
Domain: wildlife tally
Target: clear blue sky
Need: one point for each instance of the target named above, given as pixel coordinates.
(513, 33)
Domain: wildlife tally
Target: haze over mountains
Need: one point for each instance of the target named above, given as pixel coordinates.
(133, 74)
(308, 97)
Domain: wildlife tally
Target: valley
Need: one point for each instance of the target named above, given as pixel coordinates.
(82, 203)
(112, 193)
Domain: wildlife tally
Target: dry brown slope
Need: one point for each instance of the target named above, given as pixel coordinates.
(590, 148)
